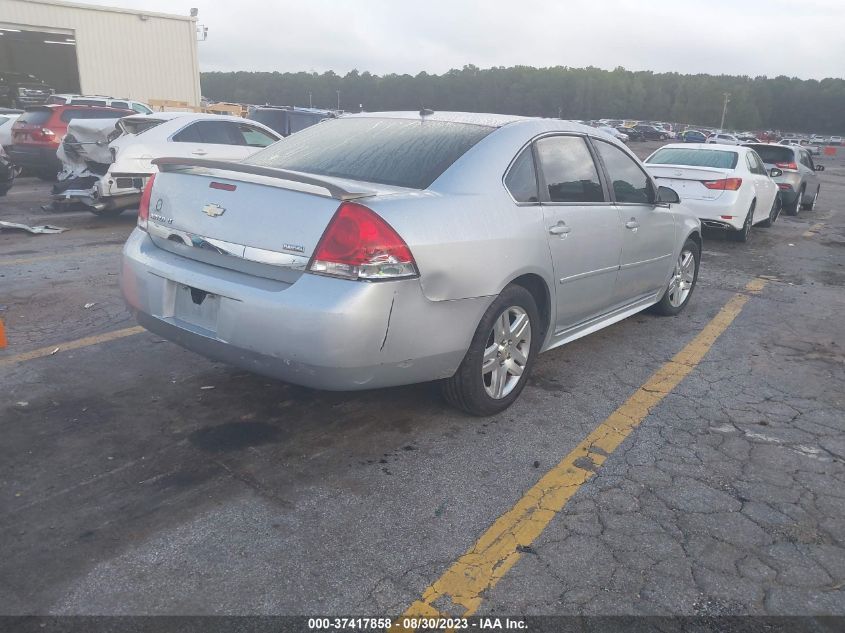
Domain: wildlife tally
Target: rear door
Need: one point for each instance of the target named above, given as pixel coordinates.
(765, 188)
(223, 140)
(808, 171)
(583, 228)
(648, 233)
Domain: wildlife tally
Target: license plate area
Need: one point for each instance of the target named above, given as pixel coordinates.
(196, 307)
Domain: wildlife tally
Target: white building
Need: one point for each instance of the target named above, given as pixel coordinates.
(101, 50)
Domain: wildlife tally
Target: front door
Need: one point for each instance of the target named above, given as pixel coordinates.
(648, 230)
(584, 230)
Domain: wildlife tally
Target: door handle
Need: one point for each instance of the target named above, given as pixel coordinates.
(559, 229)
(632, 224)
(199, 152)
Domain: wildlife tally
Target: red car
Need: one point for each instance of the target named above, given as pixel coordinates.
(39, 131)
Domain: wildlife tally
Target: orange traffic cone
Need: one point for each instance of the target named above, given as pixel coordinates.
(3, 341)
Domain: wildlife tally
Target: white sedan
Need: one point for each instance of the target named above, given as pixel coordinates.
(721, 138)
(142, 138)
(614, 133)
(725, 186)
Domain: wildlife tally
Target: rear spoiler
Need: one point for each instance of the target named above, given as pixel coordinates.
(335, 191)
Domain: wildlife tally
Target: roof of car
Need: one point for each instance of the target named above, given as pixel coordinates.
(474, 118)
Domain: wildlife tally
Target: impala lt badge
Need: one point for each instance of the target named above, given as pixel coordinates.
(213, 210)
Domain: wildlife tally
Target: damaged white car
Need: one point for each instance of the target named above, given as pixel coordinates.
(107, 164)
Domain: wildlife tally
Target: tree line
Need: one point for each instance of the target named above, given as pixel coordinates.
(779, 103)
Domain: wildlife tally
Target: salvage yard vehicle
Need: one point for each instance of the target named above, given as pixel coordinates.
(834, 140)
(97, 100)
(614, 133)
(726, 187)
(693, 136)
(37, 133)
(113, 179)
(7, 173)
(651, 132)
(798, 183)
(19, 90)
(7, 120)
(723, 138)
(385, 249)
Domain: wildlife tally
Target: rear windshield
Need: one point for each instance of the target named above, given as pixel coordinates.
(35, 117)
(92, 113)
(387, 151)
(694, 157)
(772, 154)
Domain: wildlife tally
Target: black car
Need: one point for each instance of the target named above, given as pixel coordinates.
(20, 91)
(651, 133)
(7, 174)
(286, 120)
(633, 133)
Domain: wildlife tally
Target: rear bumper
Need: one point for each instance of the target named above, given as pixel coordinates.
(37, 157)
(318, 332)
(710, 212)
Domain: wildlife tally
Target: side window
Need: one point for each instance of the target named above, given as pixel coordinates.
(805, 159)
(568, 169)
(521, 180)
(254, 137)
(214, 132)
(141, 108)
(189, 134)
(810, 163)
(754, 164)
(119, 104)
(630, 183)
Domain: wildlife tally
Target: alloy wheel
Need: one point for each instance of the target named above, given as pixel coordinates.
(682, 279)
(506, 352)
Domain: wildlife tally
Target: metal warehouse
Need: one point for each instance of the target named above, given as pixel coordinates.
(109, 51)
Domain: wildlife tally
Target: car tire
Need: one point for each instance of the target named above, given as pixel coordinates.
(812, 205)
(681, 285)
(795, 206)
(773, 213)
(744, 233)
(497, 345)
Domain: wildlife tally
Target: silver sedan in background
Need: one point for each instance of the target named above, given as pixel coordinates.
(385, 249)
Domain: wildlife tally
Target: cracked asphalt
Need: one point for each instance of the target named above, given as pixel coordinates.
(139, 478)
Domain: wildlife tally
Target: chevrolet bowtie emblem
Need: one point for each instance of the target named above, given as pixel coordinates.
(213, 210)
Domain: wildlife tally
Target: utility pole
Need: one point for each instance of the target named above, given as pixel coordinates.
(310, 102)
(725, 109)
(338, 99)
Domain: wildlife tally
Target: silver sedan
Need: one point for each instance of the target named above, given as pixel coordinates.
(385, 249)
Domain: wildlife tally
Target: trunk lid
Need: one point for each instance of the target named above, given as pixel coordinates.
(688, 181)
(260, 224)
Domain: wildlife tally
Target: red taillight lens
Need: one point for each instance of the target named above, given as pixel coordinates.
(358, 244)
(790, 166)
(144, 206)
(43, 134)
(726, 184)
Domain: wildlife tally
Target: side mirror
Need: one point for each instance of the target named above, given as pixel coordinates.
(774, 172)
(819, 167)
(665, 195)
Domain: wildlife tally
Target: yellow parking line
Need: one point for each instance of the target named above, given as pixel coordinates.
(498, 549)
(71, 345)
(80, 252)
(814, 230)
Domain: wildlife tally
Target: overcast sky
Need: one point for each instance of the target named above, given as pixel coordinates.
(803, 38)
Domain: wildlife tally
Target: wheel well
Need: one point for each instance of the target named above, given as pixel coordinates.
(696, 237)
(540, 291)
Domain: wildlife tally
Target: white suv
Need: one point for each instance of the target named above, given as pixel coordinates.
(97, 100)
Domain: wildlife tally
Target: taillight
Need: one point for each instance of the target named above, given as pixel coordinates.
(785, 166)
(726, 184)
(358, 244)
(43, 134)
(144, 206)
